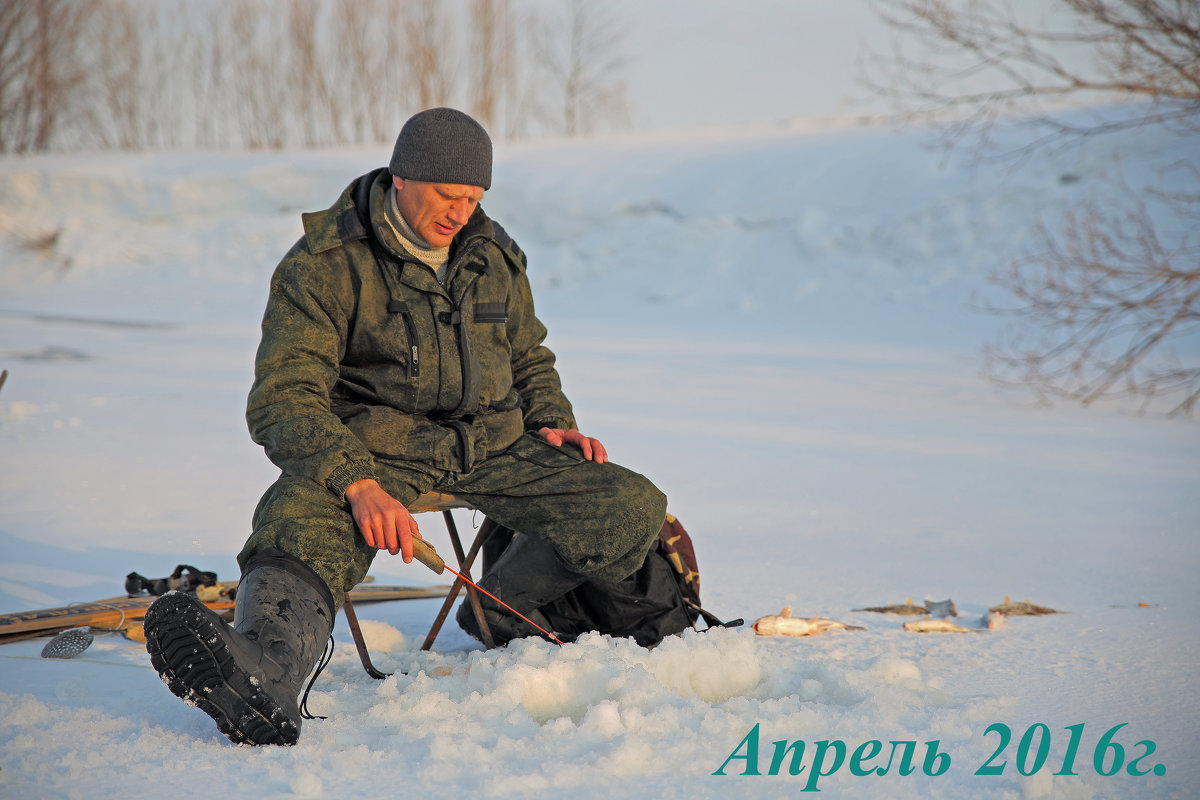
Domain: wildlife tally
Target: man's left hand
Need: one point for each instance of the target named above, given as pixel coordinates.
(591, 448)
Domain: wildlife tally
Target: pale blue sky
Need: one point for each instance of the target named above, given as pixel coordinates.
(705, 62)
(729, 63)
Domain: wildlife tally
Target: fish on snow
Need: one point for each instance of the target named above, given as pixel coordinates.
(942, 608)
(1021, 609)
(784, 624)
(931, 625)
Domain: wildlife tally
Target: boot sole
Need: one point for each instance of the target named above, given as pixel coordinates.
(187, 649)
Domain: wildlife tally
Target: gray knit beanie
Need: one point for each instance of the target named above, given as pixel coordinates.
(441, 145)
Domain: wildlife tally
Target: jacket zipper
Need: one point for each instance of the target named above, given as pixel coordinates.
(410, 330)
(414, 366)
(470, 380)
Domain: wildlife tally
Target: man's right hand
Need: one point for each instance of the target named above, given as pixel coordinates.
(384, 522)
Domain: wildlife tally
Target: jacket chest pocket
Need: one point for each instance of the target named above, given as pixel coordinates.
(489, 338)
(412, 341)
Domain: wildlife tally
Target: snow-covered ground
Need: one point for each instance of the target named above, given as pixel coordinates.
(777, 326)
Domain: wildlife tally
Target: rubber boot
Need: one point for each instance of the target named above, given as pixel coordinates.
(527, 575)
(247, 676)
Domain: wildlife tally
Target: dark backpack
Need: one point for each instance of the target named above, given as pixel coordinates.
(661, 599)
(675, 545)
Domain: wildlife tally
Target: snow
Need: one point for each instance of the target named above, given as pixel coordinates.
(779, 326)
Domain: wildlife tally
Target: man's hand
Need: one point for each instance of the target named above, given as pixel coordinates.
(591, 448)
(384, 522)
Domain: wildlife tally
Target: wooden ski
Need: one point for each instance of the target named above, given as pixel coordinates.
(126, 613)
(110, 613)
(370, 593)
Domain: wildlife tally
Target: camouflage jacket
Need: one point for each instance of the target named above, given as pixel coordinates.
(365, 356)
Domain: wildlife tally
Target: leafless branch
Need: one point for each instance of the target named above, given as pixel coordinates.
(582, 57)
(981, 58)
(1114, 285)
(263, 73)
(1103, 294)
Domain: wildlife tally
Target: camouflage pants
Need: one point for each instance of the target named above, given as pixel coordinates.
(601, 518)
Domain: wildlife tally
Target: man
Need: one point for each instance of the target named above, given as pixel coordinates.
(400, 354)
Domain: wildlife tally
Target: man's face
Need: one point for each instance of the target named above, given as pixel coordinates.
(436, 211)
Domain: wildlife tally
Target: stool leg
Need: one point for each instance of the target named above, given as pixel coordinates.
(472, 594)
(465, 563)
(356, 632)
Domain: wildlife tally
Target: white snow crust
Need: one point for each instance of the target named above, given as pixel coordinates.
(780, 328)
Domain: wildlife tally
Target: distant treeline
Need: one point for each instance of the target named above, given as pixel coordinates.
(218, 74)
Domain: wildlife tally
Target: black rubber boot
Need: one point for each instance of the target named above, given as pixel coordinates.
(527, 575)
(246, 676)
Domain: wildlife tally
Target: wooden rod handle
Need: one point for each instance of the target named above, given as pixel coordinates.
(423, 551)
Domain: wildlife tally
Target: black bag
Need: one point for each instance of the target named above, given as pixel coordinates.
(676, 547)
(661, 599)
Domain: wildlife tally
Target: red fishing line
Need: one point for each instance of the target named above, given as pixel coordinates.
(553, 638)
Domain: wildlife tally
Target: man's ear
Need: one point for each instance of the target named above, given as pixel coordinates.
(398, 182)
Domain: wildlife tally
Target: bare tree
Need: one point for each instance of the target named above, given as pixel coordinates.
(263, 74)
(1113, 286)
(118, 35)
(42, 68)
(990, 60)
(366, 69)
(427, 50)
(1099, 296)
(205, 82)
(506, 86)
(490, 58)
(135, 88)
(268, 97)
(584, 60)
(309, 84)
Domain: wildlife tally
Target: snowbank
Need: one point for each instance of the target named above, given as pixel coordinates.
(778, 328)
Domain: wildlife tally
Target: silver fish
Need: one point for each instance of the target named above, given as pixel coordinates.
(931, 625)
(784, 624)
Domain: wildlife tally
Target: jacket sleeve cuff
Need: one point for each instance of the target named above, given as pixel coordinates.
(560, 423)
(347, 474)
